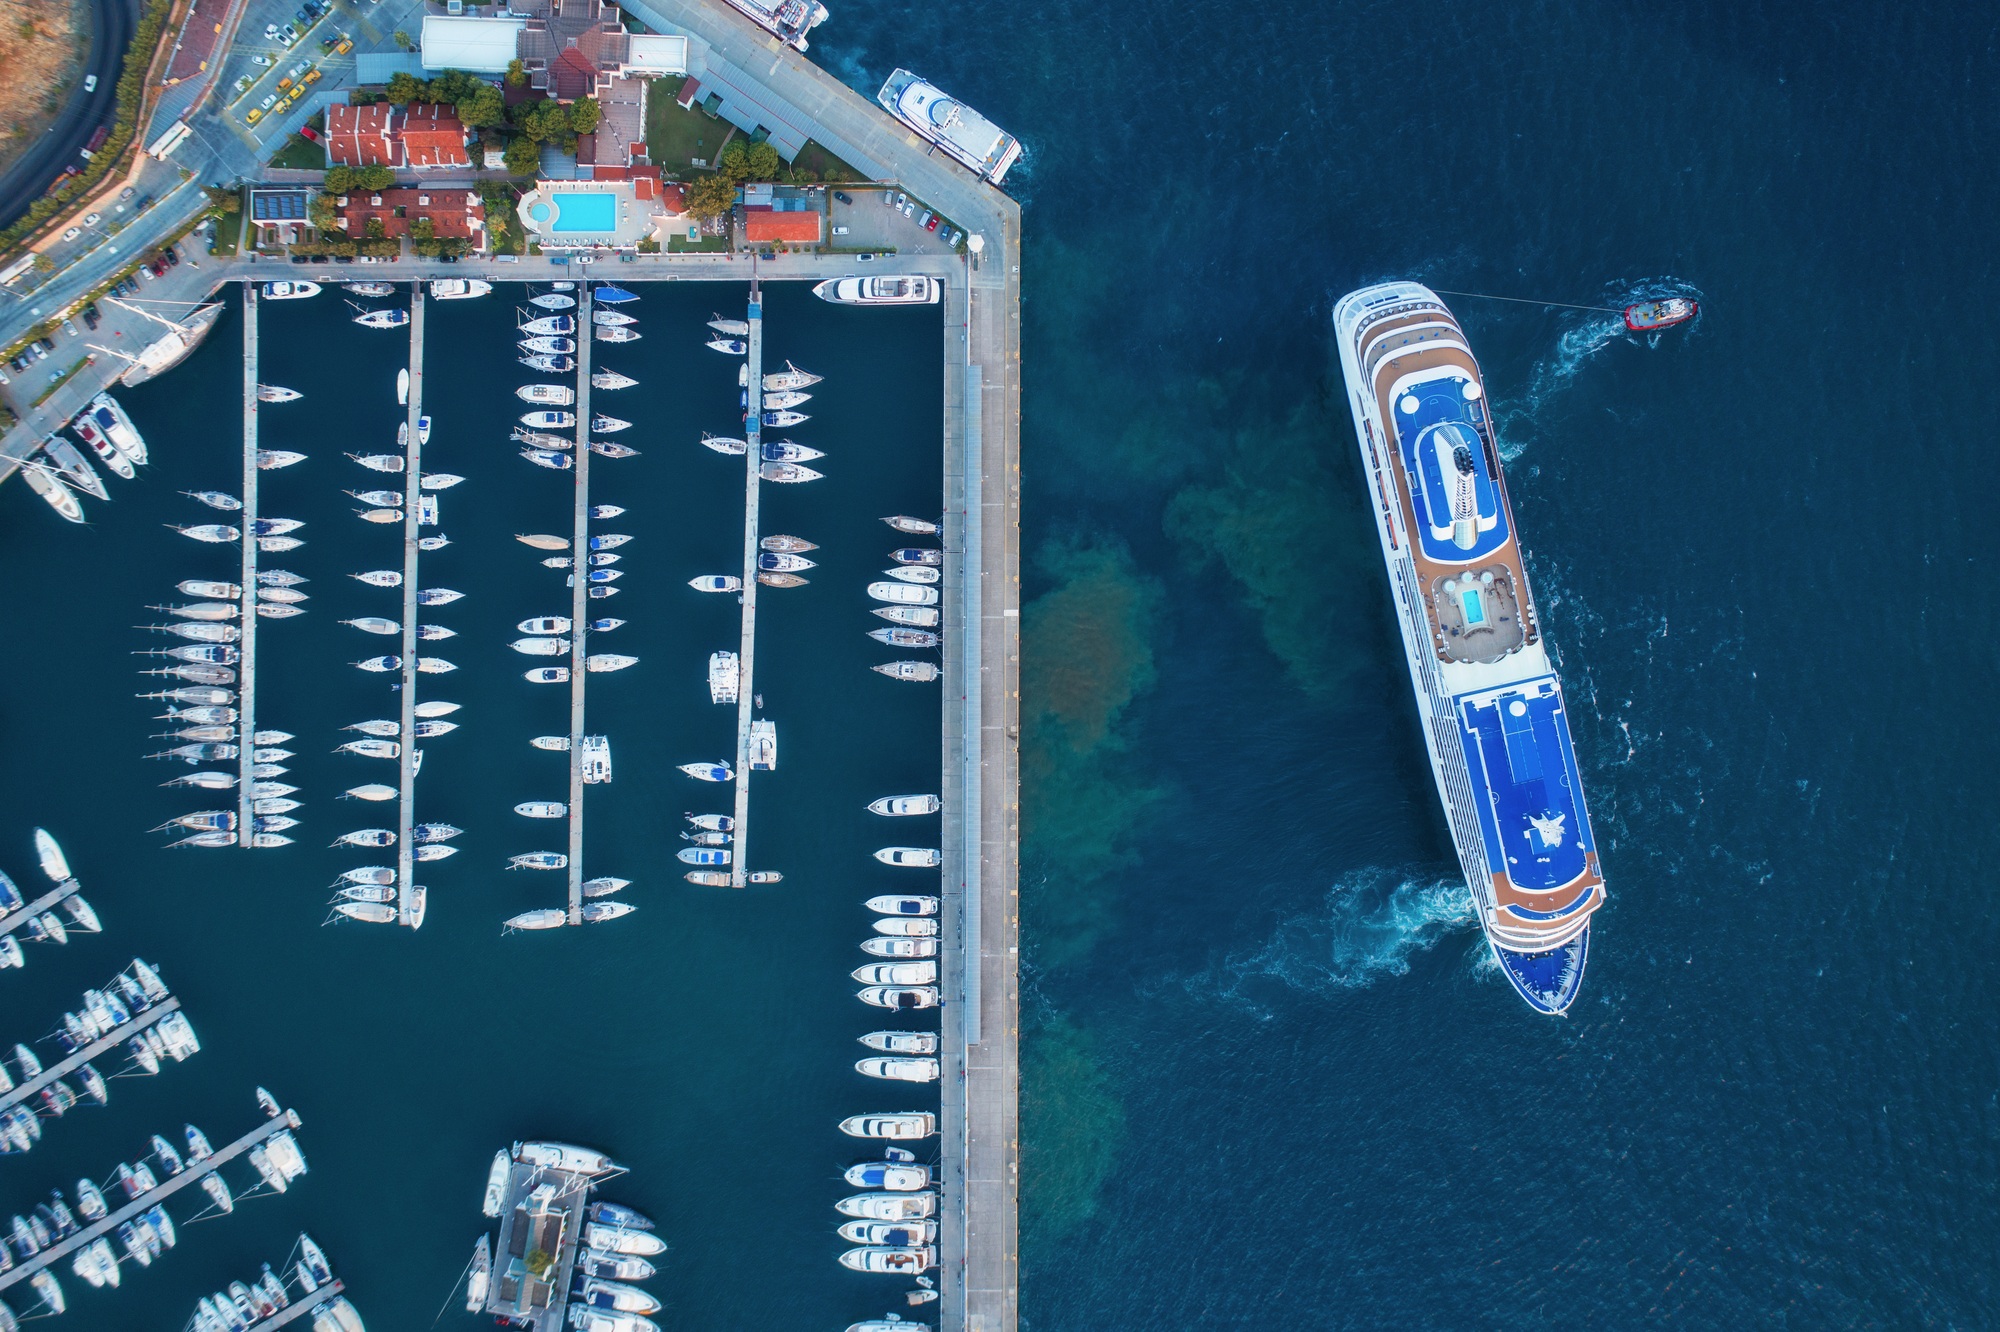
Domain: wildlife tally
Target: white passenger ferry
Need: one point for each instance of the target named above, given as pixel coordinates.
(1487, 694)
(950, 124)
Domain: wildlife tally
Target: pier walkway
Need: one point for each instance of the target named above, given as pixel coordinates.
(172, 1184)
(109, 1041)
(746, 683)
(14, 920)
(246, 693)
(309, 1302)
(579, 601)
(406, 759)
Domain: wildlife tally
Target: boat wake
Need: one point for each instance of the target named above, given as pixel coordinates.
(1585, 334)
(1372, 923)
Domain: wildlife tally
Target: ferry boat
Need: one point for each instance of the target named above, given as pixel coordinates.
(789, 20)
(910, 289)
(458, 289)
(963, 133)
(1488, 695)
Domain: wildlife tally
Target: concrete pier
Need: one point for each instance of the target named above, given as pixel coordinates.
(14, 920)
(579, 601)
(406, 761)
(746, 685)
(246, 692)
(300, 1307)
(55, 1253)
(107, 1042)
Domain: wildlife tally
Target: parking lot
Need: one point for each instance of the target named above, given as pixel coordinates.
(883, 219)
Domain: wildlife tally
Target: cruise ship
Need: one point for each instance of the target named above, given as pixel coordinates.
(1487, 693)
(950, 124)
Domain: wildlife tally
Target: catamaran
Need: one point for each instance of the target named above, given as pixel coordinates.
(1490, 700)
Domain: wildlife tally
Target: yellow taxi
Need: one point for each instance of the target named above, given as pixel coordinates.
(256, 114)
(284, 83)
(312, 76)
(346, 45)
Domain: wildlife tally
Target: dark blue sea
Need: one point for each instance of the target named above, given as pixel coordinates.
(1271, 1077)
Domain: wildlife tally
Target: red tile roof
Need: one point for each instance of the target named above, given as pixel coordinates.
(434, 137)
(572, 75)
(760, 225)
(363, 135)
(454, 214)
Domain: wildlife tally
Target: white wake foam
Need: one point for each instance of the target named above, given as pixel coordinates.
(1371, 924)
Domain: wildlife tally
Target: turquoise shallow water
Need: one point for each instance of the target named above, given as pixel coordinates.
(706, 1041)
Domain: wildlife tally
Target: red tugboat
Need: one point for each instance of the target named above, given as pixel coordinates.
(1647, 316)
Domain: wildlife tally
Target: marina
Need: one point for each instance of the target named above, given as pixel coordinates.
(279, 1124)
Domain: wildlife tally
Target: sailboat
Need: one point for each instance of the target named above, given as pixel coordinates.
(168, 350)
(42, 479)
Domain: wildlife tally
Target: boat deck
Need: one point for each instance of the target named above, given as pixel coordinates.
(746, 685)
(172, 1184)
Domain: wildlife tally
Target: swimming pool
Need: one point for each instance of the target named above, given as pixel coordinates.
(582, 212)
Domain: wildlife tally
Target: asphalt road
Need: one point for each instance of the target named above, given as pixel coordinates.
(114, 22)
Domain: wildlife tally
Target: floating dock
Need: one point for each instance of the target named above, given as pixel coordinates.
(246, 692)
(406, 759)
(14, 920)
(541, 1209)
(193, 1173)
(110, 1041)
(746, 684)
(579, 601)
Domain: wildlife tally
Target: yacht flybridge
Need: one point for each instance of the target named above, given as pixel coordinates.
(963, 133)
(1488, 695)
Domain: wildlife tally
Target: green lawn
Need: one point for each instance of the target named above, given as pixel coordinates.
(674, 138)
(302, 153)
(818, 160)
(678, 243)
(228, 234)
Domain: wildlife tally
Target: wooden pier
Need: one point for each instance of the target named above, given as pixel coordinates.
(246, 692)
(406, 758)
(746, 683)
(110, 1041)
(195, 1171)
(14, 920)
(579, 601)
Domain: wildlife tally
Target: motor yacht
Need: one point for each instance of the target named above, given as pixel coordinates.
(892, 905)
(899, 997)
(894, 1042)
(290, 291)
(370, 288)
(458, 289)
(716, 583)
(883, 290)
(43, 481)
(551, 395)
(896, 1069)
(888, 1206)
(917, 555)
(914, 573)
(900, 593)
(921, 672)
(895, 1127)
(541, 647)
(620, 1240)
(884, 946)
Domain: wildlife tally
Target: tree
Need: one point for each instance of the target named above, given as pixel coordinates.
(375, 178)
(517, 74)
(735, 160)
(763, 161)
(340, 179)
(375, 229)
(711, 197)
(423, 229)
(405, 87)
(584, 114)
(482, 106)
(524, 156)
(538, 1262)
(453, 85)
(320, 212)
(403, 40)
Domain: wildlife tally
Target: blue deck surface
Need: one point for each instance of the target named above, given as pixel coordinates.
(1517, 744)
(1443, 419)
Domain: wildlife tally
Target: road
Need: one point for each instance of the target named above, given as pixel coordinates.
(113, 22)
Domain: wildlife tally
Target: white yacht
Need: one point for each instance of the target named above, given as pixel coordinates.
(892, 905)
(910, 289)
(891, 1262)
(542, 809)
(541, 647)
(896, 973)
(896, 1127)
(554, 300)
(725, 444)
(921, 672)
(898, 1069)
(788, 20)
(550, 325)
(896, 1042)
(458, 289)
(791, 377)
(963, 133)
(609, 661)
(899, 806)
(595, 759)
(725, 673)
(903, 594)
(277, 393)
(383, 319)
(764, 745)
(716, 583)
(543, 918)
(787, 472)
(915, 573)
(290, 291)
(541, 860)
(708, 772)
(888, 1206)
(553, 395)
(611, 379)
(885, 946)
(547, 420)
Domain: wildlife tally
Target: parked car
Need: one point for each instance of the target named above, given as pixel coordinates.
(72, 233)
(254, 116)
(91, 318)
(907, 209)
(260, 60)
(346, 45)
(307, 132)
(931, 223)
(842, 197)
(270, 99)
(312, 76)
(93, 219)
(271, 31)
(69, 327)
(90, 83)
(840, 231)
(926, 220)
